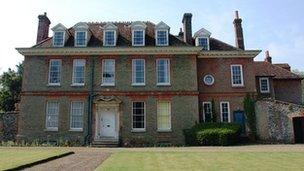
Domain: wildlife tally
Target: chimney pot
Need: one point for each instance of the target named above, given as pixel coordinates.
(268, 58)
(239, 38)
(237, 14)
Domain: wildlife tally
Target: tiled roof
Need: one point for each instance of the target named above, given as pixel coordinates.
(125, 37)
(283, 65)
(267, 69)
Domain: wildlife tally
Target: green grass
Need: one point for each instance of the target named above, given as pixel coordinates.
(14, 157)
(176, 161)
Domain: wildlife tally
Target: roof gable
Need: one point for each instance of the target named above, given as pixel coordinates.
(162, 25)
(59, 27)
(138, 25)
(202, 33)
(81, 26)
(110, 26)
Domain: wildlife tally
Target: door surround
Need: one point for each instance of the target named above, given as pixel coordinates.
(104, 104)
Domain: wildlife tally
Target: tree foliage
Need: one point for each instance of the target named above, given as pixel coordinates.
(10, 88)
(249, 108)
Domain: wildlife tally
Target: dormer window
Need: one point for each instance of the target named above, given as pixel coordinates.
(203, 42)
(109, 38)
(60, 35)
(162, 34)
(82, 34)
(202, 39)
(138, 33)
(58, 38)
(109, 34)
(80, 38)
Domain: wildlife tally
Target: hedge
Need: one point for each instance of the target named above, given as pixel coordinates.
(217, 134)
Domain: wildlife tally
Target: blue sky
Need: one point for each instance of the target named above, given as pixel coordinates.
(273, 25)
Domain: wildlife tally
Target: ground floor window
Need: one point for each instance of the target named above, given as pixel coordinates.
(52, 112)
(76, 116)
(138, 116)
(207, 111)
(163, 115)
(225, 112)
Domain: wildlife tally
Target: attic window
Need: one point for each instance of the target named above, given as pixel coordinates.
(203, 42)
(58, 39)
(162, 38)
(81, 38)
(109, 38)
(138, 38)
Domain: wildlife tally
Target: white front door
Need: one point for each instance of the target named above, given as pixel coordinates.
(108, 124)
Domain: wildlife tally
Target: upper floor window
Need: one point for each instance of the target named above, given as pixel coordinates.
(163, 116)
(264, 85)
(109, 39)
(59, 35)
(162, 38)
(225, 112)
(138, 72)
(78, 71)
(76, 115)
(108, 72)
(138, 38)
(58, 39)
(203, 42)
(237, 75)
(162, 34)
(163, 71)
(54, 72)
(202, 38)
(81, 39)
(52, 112)
(138, 116)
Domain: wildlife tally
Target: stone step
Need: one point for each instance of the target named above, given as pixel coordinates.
(105, 143)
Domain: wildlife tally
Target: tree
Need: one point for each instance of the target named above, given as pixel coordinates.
(10, 88)
(249, 108)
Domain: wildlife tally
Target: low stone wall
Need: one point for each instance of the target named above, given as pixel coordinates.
(274, 120)
(10, 126)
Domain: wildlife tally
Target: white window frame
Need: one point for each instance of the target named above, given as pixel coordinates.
(221, 108)
(134, 83)
(268, 87)
(242, 75)
(85, 41)
(170, 117)
(197, 42)
(49, 78)
(73, 75)
(46, 115)
(144, 34)
(71, 115)
(102, 70)
(104, 38)
(63, 38)
(145, 122)
(204, 114)
(167, 37)
(169, 72)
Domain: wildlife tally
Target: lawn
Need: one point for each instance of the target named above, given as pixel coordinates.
(227, 160)
(14, 157)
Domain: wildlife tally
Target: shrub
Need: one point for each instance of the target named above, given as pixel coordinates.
(213, 134)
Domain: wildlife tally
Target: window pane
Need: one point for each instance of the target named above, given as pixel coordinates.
(163, 71)
(109, 38)
(203, 42)
(78, 69)
(236, 75)
(138, 37)
(138, 70)
(54, 71)
(80, 38)
(225, 112)
(207, 111)
(58, 39)
(162, 37)
(52, 112)
(108, 71)
(163, 116)
(138, 115)
(76, 115)
(264, 85)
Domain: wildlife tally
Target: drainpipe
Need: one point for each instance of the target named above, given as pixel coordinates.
(90, 103)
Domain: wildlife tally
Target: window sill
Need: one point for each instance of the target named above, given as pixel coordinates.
(164, 130)
(138, 130)
(238, 86)
(163, 84)
(135, 84)
(76, 130)
(77, 85)
(107, 85)
(51, 129)
(265, 92)
(53, 85)
(138, 45)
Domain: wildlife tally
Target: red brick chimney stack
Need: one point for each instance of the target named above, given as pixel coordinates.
(187, 24)
(43, 27)
(239, 38)
(268, 57)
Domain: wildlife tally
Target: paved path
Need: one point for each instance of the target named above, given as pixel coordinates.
(85, 159)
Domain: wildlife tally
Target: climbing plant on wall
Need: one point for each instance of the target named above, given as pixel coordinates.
(249, 109)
